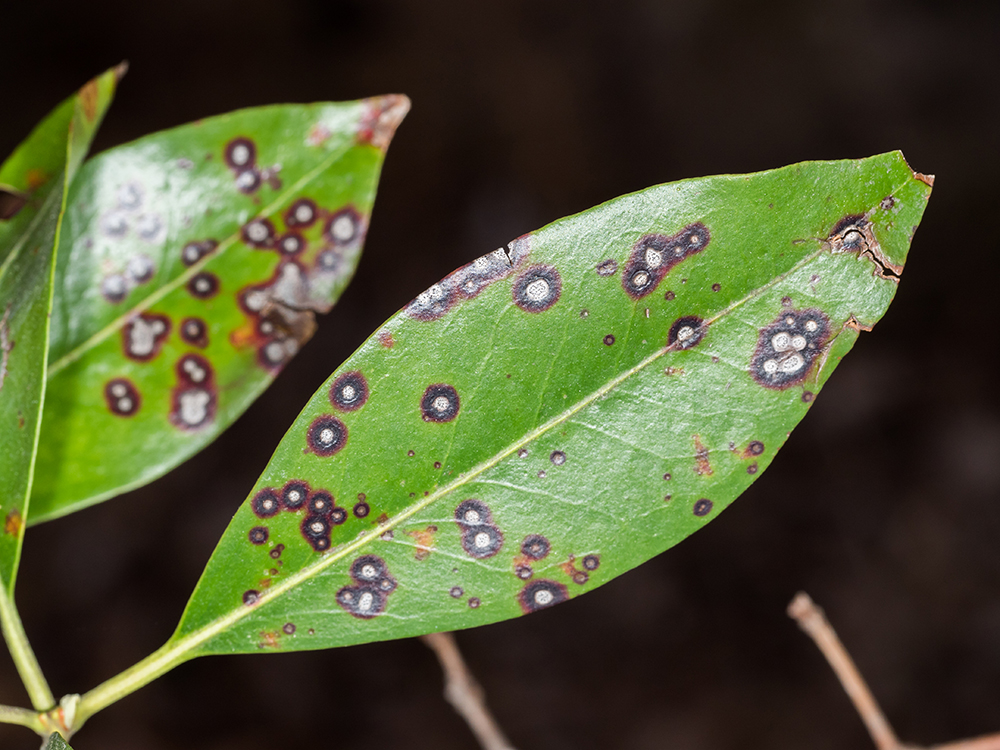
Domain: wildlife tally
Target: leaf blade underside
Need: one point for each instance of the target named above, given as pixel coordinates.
(194, 262)
(29, 245)
(502, 444)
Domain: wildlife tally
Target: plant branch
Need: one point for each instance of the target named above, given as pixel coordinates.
(22, 716)
(464, 693)
(156, 664)
(24, 658)
(811, 619)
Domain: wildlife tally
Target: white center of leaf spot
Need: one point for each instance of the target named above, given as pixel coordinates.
(811, 325)
(194, 406)
(326, 436)
(256, 231)
(348, 393)
(685, 333)
(781, 342)
(791, 364)
(798, 342)
(342, 228)
(118, 390)
(274, 351)
(537, 290)
(482, 540)
(543, 597)
(770, 366)
(240, 154)
(472, 517)
(303, 213)
(653, 257)
(640, 279)
(366, 601)
(125, 404)
(368, 571)
(441, 404)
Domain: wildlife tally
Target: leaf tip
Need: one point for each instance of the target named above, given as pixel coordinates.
(385, 113)
(120, 70)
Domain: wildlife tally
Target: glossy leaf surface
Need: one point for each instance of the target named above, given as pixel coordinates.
(41, 169)
(192, 265)
(554, 414)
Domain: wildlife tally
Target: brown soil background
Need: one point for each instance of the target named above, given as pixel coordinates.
(884, 504)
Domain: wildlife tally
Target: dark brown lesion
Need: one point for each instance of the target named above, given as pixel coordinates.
(13, 523)
(702, 466)
(853, 234)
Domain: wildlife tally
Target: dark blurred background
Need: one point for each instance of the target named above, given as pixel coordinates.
(884, 504)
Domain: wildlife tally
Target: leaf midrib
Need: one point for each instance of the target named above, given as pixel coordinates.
(174, 284)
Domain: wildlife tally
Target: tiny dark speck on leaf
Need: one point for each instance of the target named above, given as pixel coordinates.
(669, 296)
(808, 396)
(716, 287)
(609, 339)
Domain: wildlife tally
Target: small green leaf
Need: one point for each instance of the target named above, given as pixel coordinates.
(554, 414)
(56, 742)
(193, 263)
(27, 245)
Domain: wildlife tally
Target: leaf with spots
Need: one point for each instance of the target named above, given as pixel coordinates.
(40, 171)
(558, 411)
(190, 272)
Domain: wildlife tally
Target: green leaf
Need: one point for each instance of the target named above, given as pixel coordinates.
(193, 263)
(56, 742)
(41, 169)
(519, 435)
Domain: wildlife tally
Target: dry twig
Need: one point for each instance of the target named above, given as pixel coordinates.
(812, 620)
(465, 694)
